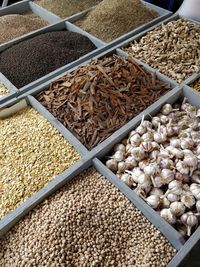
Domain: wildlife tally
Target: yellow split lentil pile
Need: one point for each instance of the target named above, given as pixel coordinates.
(196, 85)
(32, 153)
(3, 90)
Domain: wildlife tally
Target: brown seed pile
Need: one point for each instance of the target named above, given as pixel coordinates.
(66, 8)
(196, 85)
(172, 48)
(13, 26)
(87, 223)
(32, 153)
(3, 90)
(97, 99)
(112, 18)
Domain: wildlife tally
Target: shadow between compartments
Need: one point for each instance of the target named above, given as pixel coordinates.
(13, 92)
(21, 8)
(138, 36)
(171, 234)
(162, 14)
(59, 26)
(13, 217)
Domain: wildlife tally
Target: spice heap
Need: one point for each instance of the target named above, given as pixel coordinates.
(173, 49)
(32, 154)
(86, 223)
(30, 60)
(13, 26)
(112, 18)
(196, 85)
(97, 99)
(3, 90)
(160, 160)
(66, 8)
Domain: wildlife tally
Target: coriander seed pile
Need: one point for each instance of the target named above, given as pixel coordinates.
(3, 90)
(32, 153)
(111, 19)
(172, 48)
(86, 223)
(66, 8)
(15, 25)
(160, 160)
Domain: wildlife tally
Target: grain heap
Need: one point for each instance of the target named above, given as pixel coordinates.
(196, 85)
(173, 49)
(160, 161)
(66, 8)
(97, 99)
(112, 18)
(29, 60)
(86, 223)
(13, 26)
(32, 154)
(3, 90)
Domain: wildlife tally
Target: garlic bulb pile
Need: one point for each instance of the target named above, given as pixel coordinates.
(160, 160)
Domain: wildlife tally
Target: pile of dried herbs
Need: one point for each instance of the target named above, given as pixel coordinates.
(66, 8)
(97, 99)
(112, 18)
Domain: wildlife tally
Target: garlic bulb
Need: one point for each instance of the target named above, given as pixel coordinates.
(189, 220)
(153, 201)
(181, 167)
(119, 147)
(146, 146)
(167, 176)
(177, 208)
(195, 189)
(187, 143)
(118, 155)
(122, 166)
(166, 109)
(165, 203)
(167, 215)
(173, 197)
(190, 161)
(188, 200)
(196, 176)
(141, 129)
(175, 142)
(156, 192)
(138, 153)
(160, 138)
(135, 139)
(126, 178)
(151, 169)
(198, 206)
(130, 162)
(158, 182)
(112, 164)
(155, 121)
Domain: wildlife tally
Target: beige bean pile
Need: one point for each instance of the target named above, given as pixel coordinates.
(173, 49)
(86, 223)
(15, 25)
(32, 153)
(3, 90)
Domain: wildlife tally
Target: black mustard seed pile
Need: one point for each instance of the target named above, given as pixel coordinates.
(28, 61)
